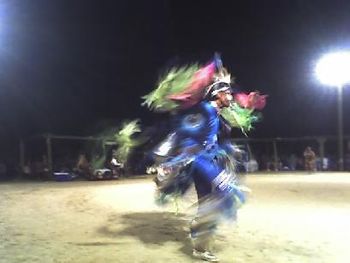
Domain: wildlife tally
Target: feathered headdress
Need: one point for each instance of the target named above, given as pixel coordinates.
(221, 81)
(180, 88)
(186, 86)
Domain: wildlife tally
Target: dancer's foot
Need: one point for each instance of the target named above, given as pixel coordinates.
(205, 255)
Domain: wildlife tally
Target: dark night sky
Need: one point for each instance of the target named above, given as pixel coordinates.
(71, 66)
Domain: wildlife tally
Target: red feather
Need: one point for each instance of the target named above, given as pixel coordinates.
(253, 100)
(195, 91)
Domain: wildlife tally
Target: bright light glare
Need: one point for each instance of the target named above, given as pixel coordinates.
(334, 69)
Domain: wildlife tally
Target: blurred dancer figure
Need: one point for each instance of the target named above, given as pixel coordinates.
(198, 150)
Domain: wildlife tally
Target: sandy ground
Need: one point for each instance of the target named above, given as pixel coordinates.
(288, 218)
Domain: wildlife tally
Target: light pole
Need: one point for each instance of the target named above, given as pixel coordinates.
(334, 69)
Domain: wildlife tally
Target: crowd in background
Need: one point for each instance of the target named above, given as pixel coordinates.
(307, 160)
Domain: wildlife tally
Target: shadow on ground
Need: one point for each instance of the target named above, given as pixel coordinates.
(153, 228)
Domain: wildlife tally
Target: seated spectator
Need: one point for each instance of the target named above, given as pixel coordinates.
(83, 166)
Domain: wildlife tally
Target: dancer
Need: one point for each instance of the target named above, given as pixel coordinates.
(199, 151)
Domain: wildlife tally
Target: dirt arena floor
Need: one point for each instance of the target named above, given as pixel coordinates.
(288, 218)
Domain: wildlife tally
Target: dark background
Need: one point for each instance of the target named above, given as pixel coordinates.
(77, 66)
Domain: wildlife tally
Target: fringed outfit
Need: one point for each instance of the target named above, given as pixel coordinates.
(193, 152)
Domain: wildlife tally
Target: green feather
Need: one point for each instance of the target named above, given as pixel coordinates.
(175, 81)
(240, 117)
(125, 140)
